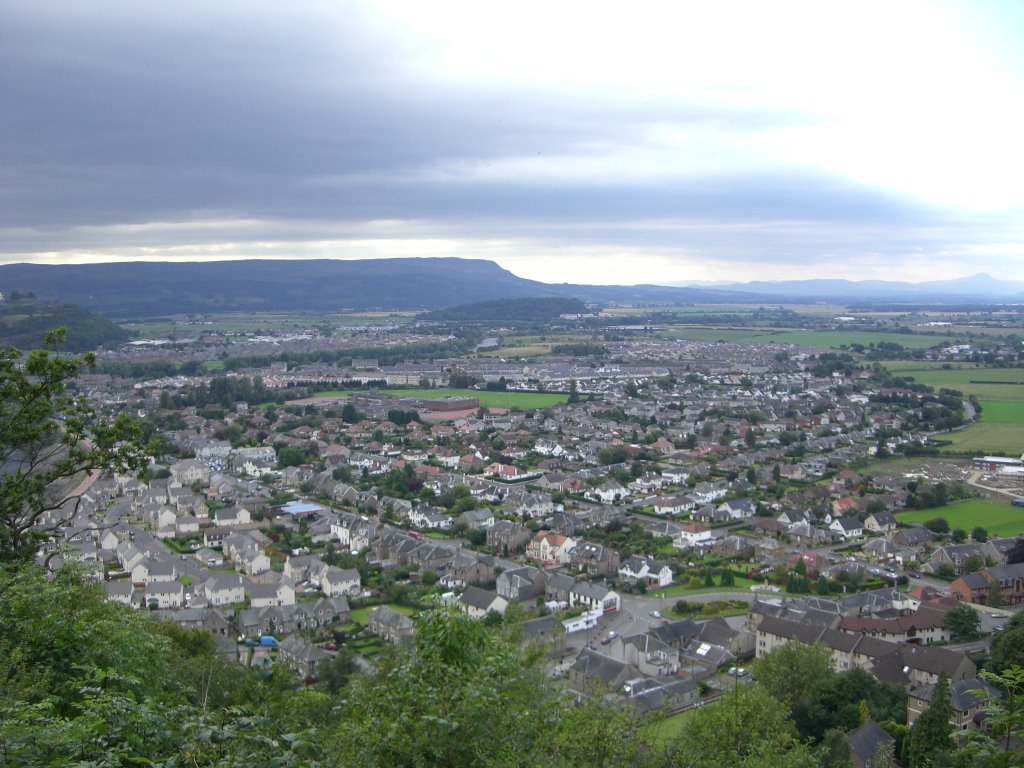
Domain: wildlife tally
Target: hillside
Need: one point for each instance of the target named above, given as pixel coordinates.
(145, 289)
(24, 321)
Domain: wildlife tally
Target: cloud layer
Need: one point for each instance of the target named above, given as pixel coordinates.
(657, 145)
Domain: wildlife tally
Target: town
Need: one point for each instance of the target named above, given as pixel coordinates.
(657, 514)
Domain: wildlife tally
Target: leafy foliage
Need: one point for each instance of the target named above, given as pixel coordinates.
(49, 438)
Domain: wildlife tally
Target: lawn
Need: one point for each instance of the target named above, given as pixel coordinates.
(996, 517)
(662, 732)
(361, 615)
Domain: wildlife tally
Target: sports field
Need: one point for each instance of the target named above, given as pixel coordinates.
(526, 401)
(999, 518)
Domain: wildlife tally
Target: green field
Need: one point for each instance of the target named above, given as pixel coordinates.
(823, 339)
(1000, 390)
(997, 517)
(986, 437)
(995, 384)
(1002, 412)
(524, 400)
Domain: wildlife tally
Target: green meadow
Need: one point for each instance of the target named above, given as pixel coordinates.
(999, 518)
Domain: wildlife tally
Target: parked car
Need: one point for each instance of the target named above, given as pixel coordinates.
(656, 614)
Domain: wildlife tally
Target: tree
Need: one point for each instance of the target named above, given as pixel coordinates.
(1007, 647)
(931, 735)
(746, 728)
(463, 697)
(333, 674)
(795, 673)
(959, 535)
(963, 621)
(995, 594)
(1005, 715)
(979, 534)
(937, 525)
(1016, 553)
(834, 751)
(50, 442)
(574, 393)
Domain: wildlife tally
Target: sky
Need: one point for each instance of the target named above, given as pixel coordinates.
(583, 142)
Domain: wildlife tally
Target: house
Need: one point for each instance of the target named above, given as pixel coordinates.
(957, 555)
(266, 593)
(594, 559)
(647, 653)
(595, 671)
(847, 527)
(550, 548)
(669, 698)
(917, 665)
(971, 588)
(869, 745)
(121, 591)
(739, 509)
(996, 549)
(607, 492)
(1010, 579)
(967, 697)
(673, 505)
(230, 517)
(558, 587)
(593, 596)
(477, 602)
(336, 581)
(164, 594)
(692, 535)
(222, 589)
(302, 656)
(477, 518)
(390, 625)
(881, 522)
(190, 471)
(645, 570)
(517, 584)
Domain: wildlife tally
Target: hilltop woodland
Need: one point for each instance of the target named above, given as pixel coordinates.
(25, 321)
(89, 682)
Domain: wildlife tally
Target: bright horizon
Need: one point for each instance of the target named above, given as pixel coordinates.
(580, 142)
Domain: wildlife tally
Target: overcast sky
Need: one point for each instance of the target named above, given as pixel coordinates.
(570, 142)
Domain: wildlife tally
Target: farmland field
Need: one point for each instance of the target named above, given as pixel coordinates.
(823, 339)
(1002, 384)
(997, 517)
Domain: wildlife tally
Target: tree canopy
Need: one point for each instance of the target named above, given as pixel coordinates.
(50, 440)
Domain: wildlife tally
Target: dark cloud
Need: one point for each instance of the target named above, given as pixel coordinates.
(144, 112)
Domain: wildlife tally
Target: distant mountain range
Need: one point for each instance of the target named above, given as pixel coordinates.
(147, 289)
(979, 286)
